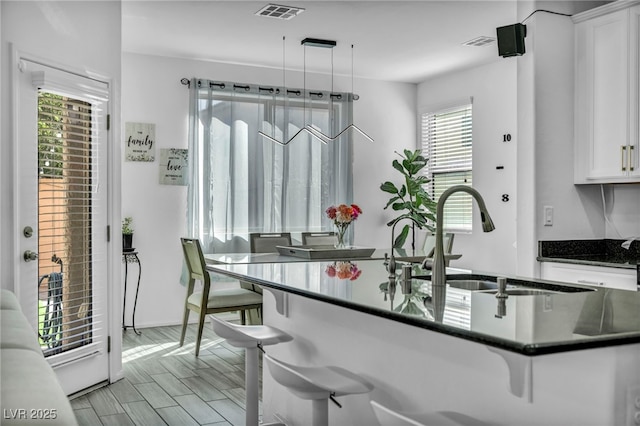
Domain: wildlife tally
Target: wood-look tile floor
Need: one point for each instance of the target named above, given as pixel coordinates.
(166, 384)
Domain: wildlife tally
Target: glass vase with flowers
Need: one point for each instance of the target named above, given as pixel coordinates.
(342, 216)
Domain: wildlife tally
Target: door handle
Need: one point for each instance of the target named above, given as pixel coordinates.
(600, 283)
(30, 255)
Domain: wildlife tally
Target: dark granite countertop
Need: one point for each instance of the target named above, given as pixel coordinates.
(605, 252)
(570, 317)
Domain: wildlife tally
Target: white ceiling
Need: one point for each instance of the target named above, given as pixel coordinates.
(404, 41)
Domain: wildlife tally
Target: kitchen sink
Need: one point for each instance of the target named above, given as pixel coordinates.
(472, 285)
(515, 287)
(492, 288)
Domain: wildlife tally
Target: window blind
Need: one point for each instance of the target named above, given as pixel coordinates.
(447, 143)
(66, 186)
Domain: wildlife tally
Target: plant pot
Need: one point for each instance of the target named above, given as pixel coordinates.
(127, 241)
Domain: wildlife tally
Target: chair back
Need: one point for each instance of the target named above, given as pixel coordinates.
(319, 238)
(430, 243)
(194, 259)
(266, 242)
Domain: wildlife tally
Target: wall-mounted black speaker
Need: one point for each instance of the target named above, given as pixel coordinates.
(511, 40)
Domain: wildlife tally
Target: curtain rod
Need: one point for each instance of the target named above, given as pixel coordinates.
(222, 85)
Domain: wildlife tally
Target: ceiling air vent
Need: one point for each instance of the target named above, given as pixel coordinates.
(479, 41)
(280, 12)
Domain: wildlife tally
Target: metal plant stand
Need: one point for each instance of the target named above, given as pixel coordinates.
(130, 257)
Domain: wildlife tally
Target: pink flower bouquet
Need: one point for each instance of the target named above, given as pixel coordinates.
(343, 270)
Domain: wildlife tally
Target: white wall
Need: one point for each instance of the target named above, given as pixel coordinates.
(152, 93)
(623, 211)
(387, 113)
(575, 213)
(578, 209)
(532, 97)
(493, 88)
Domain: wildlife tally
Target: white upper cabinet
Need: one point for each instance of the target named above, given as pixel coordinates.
(607, 148)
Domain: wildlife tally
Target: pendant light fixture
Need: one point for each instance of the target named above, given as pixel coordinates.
(350, 126)
(306, 128)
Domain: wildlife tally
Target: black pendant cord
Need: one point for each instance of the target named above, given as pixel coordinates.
(284, 101)
(305, 128)
(352, 93)
(350, 126)
(304, 85)
(285, 96)
(332, 71)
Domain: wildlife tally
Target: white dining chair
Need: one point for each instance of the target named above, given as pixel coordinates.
(208, 300)
(430, 245)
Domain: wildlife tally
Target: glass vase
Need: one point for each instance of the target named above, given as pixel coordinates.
(342, 236)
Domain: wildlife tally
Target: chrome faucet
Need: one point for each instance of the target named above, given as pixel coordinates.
(438, 268)
(392, 259)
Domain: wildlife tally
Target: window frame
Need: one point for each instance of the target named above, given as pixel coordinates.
(458, 204)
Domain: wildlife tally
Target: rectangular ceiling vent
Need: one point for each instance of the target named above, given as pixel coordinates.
(279, 12)
(479, 41)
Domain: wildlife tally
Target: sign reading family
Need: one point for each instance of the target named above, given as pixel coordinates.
(173, 166)
(140, 142)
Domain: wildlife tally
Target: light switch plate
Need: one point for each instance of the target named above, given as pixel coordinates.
(548, 216)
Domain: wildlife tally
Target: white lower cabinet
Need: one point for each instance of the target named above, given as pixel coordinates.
(595, 276)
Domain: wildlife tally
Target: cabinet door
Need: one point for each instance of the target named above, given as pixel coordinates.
(602, 94)
(595, 276)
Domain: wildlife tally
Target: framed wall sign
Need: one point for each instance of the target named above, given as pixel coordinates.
(173, 166)
(140, 142)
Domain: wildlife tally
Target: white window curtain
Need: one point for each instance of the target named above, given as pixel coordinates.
(447, 141)
(241, 182)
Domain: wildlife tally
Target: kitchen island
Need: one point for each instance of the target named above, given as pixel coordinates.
(554, 355)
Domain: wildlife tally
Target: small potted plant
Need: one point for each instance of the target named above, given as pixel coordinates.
(410, 198)
(127, 233)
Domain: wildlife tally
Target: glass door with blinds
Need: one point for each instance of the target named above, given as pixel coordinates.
(62, 155)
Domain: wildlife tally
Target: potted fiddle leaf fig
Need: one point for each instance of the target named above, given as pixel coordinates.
(410, 199)
(127, 233)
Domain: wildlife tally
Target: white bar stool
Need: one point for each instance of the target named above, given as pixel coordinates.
(388, 417)
(251, 338)
(318, 384)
